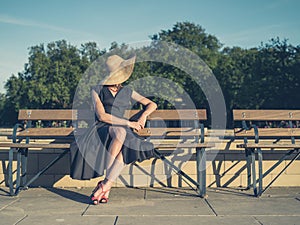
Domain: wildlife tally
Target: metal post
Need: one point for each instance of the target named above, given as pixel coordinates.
(18, 180)
(24, 167)
(201, 171)
(253, 173)
(248, 165)
(260, 172)
(10, 175)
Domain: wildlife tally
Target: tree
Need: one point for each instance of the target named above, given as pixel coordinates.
(194, 38)
(278, 68)
(50, 77)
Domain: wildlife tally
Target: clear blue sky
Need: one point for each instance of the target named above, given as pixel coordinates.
(234, 22)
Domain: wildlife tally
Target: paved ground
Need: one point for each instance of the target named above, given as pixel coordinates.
(278, 206)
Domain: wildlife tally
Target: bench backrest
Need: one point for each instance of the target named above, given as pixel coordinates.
(265, 115)
(158, 123)
(267, 123)
(175, 123)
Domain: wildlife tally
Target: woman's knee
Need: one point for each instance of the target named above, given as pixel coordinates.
(118, 133)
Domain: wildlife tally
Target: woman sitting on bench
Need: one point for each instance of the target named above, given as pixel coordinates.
(121, 144)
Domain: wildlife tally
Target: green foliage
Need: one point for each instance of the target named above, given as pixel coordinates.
(50, 77)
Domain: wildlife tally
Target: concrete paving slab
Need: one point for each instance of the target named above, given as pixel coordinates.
(282, 192)
(256, 206)
(229, 193)
(238, 193)
(11, 215)
(187, 220)
(278, 220)
(6, 201)
(52, 205)
(54, 192)
(157, 207)
(127, 194)
(170, 193)
(65, 219)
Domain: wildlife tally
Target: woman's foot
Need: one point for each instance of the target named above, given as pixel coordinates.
(104, 198)
(96, 198)
(101, 192)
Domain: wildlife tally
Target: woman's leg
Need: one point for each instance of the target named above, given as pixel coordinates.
(115, 162)
(118, 135)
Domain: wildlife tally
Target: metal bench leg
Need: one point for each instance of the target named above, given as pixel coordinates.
(24, 167)
(260, 172)
(10, 172)
(201, 171)
(18, 179)
(248, 166)
(253, 173)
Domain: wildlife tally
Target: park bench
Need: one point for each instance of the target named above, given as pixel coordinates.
(169, 130)
(268, 131)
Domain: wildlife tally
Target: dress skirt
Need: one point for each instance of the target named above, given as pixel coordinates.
(89, 153)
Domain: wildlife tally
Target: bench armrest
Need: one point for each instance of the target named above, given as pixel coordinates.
(256, 135)
(15, 130)
(202, 133)
(254, 127)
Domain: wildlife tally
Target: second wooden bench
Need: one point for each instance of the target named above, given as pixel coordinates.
(267, 129)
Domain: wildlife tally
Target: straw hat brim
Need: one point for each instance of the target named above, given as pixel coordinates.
(122, 73)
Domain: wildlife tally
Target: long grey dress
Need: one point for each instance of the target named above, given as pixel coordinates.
(88, 154)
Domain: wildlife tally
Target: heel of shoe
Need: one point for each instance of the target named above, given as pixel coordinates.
(103, 200)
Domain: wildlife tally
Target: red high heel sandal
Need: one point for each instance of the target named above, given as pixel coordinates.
(101, 198)
(97, 199)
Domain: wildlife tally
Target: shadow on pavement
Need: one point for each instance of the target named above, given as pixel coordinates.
(4, 192)
(72, 195)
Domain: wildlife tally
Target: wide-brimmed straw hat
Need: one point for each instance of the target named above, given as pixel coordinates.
(119, 69)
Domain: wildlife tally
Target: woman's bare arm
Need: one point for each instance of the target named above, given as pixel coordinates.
(108, 118)
(150, 107)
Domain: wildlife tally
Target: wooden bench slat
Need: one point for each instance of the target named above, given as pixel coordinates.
(275, 115)
(44, 114)
(270, 145)
(168, 132)
(268, 132)
(183, 145)
(33, 145)
(174, 114)
(46, 132)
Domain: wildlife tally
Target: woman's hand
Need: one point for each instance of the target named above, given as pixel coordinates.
(135, 125)
(142, 120)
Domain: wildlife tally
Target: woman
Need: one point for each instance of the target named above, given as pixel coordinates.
(111, 100)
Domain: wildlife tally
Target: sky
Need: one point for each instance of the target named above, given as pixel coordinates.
(242, 23)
